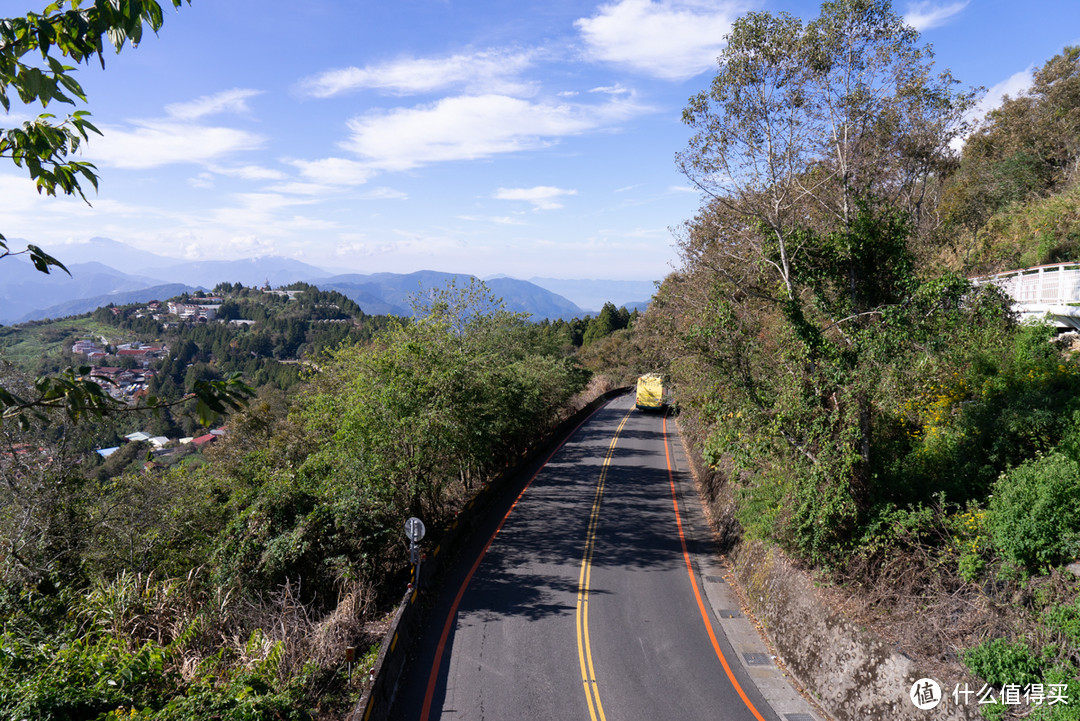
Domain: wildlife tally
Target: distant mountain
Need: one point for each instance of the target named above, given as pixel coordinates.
(119, 256)
(251, 272)
(25, 293)
(88, 305)
(162, 269)
(391, 292)
(592, 294)
(364, 295)
(103, 268)
(105, 271)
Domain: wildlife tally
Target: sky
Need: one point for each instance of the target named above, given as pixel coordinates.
(504, 137)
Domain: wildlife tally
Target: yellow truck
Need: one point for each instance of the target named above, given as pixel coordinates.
(650, 392)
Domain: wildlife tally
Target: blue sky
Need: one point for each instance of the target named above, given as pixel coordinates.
(518, 138)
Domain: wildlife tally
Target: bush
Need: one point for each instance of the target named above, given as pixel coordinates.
(999, 662)
(1034, 514)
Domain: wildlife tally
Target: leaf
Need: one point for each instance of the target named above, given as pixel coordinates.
(43, 260)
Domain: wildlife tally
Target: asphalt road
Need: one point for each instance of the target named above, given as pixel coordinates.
(579, 601)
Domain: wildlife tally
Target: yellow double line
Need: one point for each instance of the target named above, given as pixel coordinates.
(588, 674)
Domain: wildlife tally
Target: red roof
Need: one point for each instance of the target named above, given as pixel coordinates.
(203, 440)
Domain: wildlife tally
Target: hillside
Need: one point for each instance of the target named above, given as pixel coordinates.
(303, 491)
(105, 271)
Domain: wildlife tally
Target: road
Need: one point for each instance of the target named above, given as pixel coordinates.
(579, 600)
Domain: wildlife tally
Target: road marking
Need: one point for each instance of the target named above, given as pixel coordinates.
(436, 664)
(588, 673)
(694, 585)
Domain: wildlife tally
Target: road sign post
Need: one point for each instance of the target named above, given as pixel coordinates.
(414, 531)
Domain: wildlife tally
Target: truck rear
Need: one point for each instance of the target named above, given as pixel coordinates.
(650, 392)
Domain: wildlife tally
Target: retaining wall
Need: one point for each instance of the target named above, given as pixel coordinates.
(851, 674)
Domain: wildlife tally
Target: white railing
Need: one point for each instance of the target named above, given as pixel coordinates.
(1042, 290)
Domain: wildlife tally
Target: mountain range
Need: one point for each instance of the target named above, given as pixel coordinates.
(105, 271)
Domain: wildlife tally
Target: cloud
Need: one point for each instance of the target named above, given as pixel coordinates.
(384, 194)
(248, 172)
(496, 219)
(408, 243)
(926, 15)
(334, 171)
(300, 188)
(542, 197)
(472, 127)
(228, 101)
(616, 89)
(1011, 86)
(153, 143)
(260, 210)
(202, 180)
(669, 39)
(492, 71)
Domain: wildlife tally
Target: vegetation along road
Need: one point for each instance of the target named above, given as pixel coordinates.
(584, 601)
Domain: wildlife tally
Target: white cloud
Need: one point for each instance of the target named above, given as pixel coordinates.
(228, 101)
(248, 172)
(300, 188)
(542, 197)
(153, 143)
(926, 15)
(384, 194)
(408, 244)
(1011, 86)
(616, 89)
(497, 219)
(259, 210)
(669, 39)
(492, 71)
(472, 127)
(334, 171)
(203, 181)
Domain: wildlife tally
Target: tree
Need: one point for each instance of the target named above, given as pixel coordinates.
(31, 49)
(799, 122)
(1027, 148)
(43, 145)
(819, 147)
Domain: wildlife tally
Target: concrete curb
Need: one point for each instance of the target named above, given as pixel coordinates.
(376, 702)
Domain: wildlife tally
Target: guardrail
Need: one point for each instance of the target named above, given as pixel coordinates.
(375, 704)
(1040, 291)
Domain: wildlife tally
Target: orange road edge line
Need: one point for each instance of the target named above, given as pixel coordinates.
(694, 584)
(436, 665)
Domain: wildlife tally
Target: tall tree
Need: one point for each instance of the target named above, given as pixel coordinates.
(801, 121)
(816, 146)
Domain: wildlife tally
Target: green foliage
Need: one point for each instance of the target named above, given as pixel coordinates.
(1034, 514)
(43, 145)
(1065, 619)
(1041, 231)
(400, 427)
(999, 662)
(1024, 150)
(83, 678)
(800, 310)
(1012, 396)
(969, 533)
(761, 505)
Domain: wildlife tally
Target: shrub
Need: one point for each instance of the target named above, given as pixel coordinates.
(999, 662)
(1034, 514)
